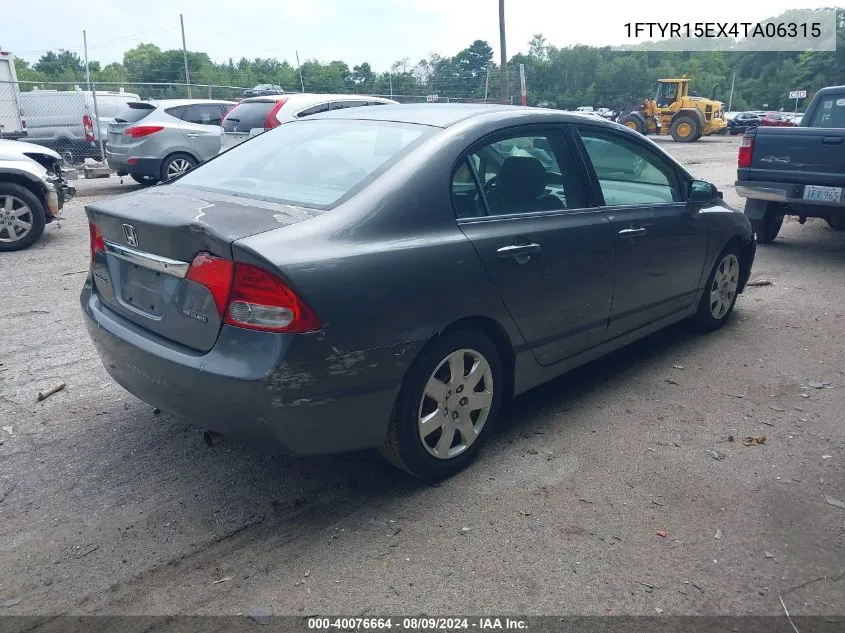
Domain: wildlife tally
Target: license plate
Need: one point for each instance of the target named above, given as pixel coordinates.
(823, 194)
(142, 289)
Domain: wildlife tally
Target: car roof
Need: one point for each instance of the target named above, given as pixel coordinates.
(309, 97)
(447, 114)
(169, 103)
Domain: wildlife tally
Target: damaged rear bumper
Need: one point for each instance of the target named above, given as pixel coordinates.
(262, 388)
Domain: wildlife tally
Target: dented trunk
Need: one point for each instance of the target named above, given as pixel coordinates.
(150, 238)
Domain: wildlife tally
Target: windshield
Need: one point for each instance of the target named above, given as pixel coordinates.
(313, 163)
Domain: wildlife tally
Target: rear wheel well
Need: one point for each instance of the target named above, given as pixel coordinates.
(497, 334)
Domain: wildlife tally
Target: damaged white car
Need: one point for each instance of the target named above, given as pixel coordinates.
(32, 192)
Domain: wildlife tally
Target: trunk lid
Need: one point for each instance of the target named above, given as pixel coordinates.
(800, 155)
(152, 236)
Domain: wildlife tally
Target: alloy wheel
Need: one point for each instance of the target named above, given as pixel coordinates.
(177, 167)
(455, 404)
(725, 284)
(16, 218)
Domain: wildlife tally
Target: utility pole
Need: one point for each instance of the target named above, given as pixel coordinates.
(487, 83)
(96, 130)
(523, 94)
(503, 70)
(731, 98)
(299, 68)
(185, 56)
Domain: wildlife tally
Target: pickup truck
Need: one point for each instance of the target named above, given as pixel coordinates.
(798, 171)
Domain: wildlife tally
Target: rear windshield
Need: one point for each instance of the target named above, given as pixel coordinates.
(246, 116)
(134, 112)
(830, 112)
(309, 163)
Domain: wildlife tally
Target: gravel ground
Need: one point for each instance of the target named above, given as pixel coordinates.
(615, 489)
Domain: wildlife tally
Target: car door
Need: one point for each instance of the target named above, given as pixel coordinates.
(203, 129)
(660, 240)
(520, 197)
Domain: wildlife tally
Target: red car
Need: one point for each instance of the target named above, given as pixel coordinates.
(777, 119)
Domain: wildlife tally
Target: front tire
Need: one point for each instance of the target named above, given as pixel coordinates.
(720, 293)
(632, 122)
(448, 404)
(176, 165)
(684, 129)
(837, 222)
(22, 217)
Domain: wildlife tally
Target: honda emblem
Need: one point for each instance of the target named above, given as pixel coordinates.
(131, 237)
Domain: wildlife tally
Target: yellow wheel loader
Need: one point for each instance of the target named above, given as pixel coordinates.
(673, 111)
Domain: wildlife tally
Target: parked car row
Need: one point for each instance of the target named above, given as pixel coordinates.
(741, 122)
(156, 141)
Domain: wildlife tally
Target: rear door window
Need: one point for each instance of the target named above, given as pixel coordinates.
(248, 115)
(177, 111)
(204, 114)
(340, 105)
(322, 107)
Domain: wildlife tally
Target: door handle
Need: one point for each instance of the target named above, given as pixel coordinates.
(193, 135)
(832, 140)
(632, 232)
(518, 250)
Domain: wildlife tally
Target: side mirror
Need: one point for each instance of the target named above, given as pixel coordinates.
(702, 192)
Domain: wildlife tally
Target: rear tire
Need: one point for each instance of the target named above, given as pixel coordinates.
(837, 222)
(632, 122)
(768, 228)
(430, 405)
(22, 215)
(720, 293)
(176, 165)
(685, 129)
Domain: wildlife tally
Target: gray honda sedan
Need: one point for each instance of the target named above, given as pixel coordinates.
(387, 277)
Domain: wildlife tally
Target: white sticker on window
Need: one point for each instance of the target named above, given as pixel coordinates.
(840, 102)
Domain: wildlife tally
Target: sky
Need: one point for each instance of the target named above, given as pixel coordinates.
(378, 31)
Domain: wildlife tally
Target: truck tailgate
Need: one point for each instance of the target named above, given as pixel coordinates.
(801, 155)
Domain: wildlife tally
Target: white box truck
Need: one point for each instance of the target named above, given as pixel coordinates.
(12, 123)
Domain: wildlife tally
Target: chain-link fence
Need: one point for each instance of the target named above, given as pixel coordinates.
(64, 116)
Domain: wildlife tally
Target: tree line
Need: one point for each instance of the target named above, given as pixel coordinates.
(559, 77)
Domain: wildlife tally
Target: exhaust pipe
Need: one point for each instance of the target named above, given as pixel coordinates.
(211, 438)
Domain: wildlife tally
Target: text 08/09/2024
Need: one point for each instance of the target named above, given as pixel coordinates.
(715, 30)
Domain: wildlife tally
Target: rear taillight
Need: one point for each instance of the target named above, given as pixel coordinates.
(88, 124)
(98, 244)
(746, 150)
(271, 121)
(215, 274)
(140, 131)
(250, 297)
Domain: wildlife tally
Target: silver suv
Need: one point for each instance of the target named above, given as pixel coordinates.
(159, 140)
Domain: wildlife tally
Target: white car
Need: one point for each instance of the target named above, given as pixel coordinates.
(258, 114)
